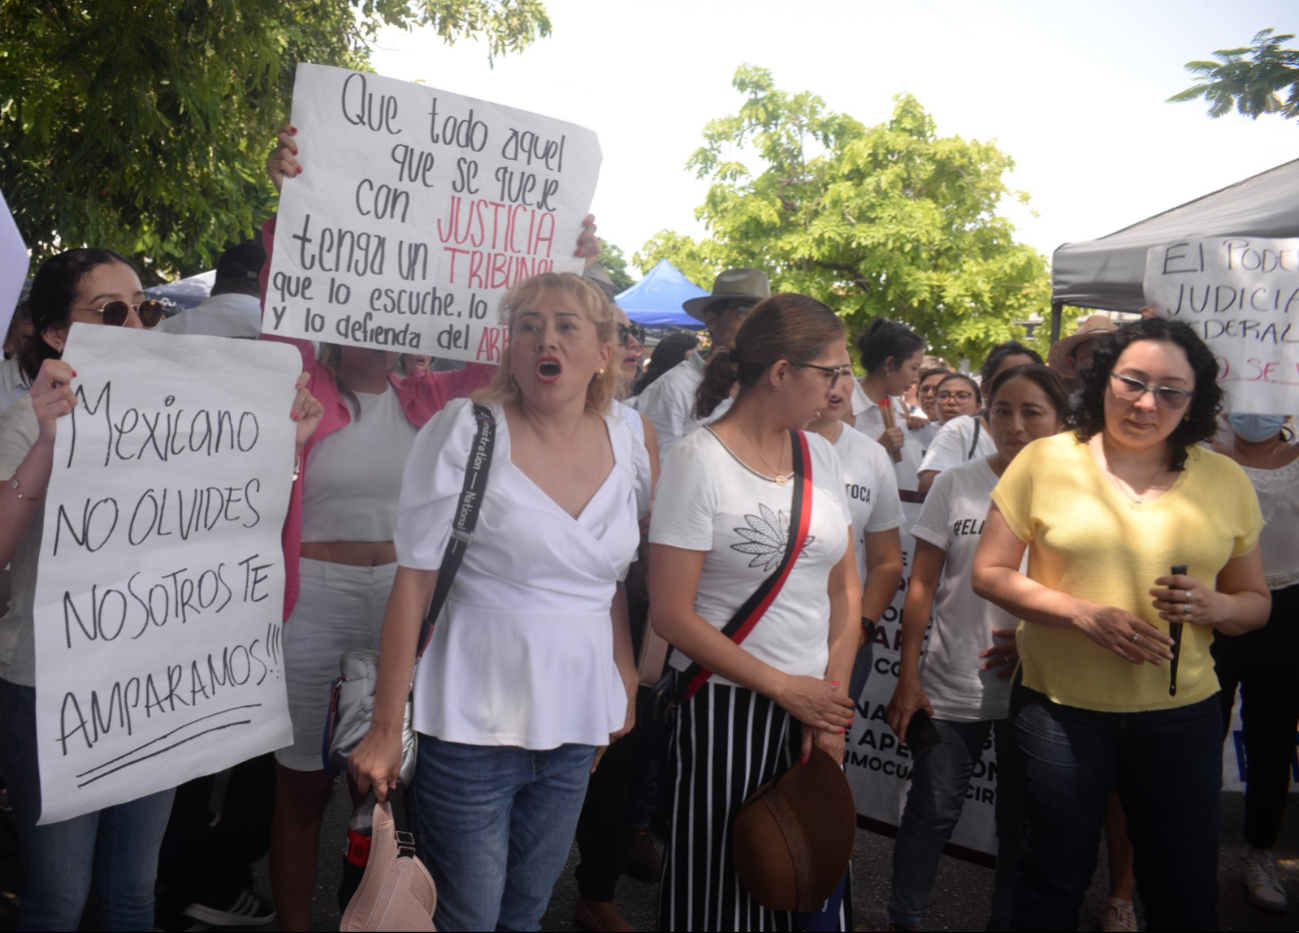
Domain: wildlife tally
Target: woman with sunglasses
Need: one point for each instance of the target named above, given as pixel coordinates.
(86, 287)
(340, 555)
(1118, 688)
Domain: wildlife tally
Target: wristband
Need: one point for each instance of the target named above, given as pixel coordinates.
(868, 624)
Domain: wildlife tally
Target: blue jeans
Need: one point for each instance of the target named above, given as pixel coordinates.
(495, 825)
(120, 844)
(939, 778)
(1167, 767)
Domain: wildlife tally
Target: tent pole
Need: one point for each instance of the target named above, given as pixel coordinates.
(1057, 313)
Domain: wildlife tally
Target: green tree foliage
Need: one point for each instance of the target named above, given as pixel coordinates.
(144, 125)
(892, 219)
(615, 263)
(1260, 78)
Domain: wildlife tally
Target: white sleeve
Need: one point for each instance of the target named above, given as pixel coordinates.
(932, 523)
(666, 410)
(948, 449)
(686, 501)
(18, 432)
(431, 486)
(887, 511)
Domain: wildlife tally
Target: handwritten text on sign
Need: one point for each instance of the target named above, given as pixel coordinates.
(415, 212)
(1241, 294)
(161, 582)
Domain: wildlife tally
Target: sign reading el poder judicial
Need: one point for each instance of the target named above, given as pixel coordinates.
(160, 589)
(1241, 294)
(415, 212)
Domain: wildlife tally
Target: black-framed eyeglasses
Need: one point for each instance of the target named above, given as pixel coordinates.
(958, 396)
(115, 313)
(833, 373)
(1131, 389)
(626, 331)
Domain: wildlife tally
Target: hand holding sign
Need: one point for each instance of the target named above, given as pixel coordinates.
(420, 209)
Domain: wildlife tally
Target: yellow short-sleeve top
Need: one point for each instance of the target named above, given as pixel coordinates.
(1087, 539)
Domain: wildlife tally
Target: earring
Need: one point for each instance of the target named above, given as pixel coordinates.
(599, 372)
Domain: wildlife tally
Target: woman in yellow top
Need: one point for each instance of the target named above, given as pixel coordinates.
(1118, 688)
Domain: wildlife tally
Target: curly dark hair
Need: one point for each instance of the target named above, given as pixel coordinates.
(54, 289)
(1200, 422)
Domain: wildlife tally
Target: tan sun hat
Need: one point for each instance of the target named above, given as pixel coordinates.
(748, 284)
(1098, 325)
(794, 837)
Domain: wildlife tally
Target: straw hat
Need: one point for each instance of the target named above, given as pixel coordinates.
(794, 837)
(1098, 325)
(744, 284)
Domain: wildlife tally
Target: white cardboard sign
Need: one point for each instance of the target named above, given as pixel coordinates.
(415, 212)
(160, 588)
(14, 263)
(1241, 294)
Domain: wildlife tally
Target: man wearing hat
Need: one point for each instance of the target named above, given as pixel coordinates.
(669, 402)
(234, 308)
(1072, 356)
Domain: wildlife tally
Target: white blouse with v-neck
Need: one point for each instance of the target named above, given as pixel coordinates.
(523, 652)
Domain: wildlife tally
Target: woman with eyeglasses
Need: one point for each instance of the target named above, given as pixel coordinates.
(118, 845)
(721, 527)
(1118, 688)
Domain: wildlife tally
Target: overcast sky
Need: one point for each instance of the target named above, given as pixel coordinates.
(1074, 93)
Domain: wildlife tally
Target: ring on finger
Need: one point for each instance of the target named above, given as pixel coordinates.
(1186, 610)
(1135, 638)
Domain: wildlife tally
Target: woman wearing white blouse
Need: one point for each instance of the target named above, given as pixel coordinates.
(719, 529)
(530, 667)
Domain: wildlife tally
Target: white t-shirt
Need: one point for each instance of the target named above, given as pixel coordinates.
(925, 435)
(353, 475)
(871, 487)
(709, 501)
(1278, 497)
(230, 315)
(14, 383)
(632, 418)
(669, 402)
(952, 519)
(18, 432)
(959, 441)
(523, 651)
(868, 420)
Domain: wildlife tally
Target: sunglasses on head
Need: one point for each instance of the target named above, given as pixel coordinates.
(115, 313)
(626, 331)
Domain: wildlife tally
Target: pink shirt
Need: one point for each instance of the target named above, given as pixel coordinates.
(422, 396)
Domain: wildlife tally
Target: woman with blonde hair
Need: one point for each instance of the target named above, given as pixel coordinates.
(529, 672)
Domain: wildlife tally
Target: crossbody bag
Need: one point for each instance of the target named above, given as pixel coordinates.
(676, 687)
(351, 704)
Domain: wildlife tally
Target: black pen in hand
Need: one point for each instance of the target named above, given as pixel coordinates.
(1175, 630)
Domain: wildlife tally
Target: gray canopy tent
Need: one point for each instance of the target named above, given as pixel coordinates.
(1107, 273)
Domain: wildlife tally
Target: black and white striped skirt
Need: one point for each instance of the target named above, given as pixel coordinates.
(728, 741)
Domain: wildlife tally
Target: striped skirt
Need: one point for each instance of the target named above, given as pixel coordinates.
(728, 741)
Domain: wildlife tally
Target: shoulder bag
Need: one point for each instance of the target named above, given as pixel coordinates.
(675, 687)
(351, 703)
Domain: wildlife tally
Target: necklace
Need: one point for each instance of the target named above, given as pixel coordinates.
(781, 479)
(1137, 500)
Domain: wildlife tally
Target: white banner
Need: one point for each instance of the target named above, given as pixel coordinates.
(1241, 294)
(416, 210)
(161, 582)
(878, 768)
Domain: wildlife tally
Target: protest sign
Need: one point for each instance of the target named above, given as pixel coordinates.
(416, 210)
(13, 265)
(1241, 294)
(878, 768)
(160, 589)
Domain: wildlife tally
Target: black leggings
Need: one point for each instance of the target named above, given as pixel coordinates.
(1263, 663)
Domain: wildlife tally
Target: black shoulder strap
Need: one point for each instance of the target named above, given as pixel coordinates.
(793, 546)
(466, 518)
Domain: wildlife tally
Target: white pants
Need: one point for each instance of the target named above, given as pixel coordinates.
(339, 607)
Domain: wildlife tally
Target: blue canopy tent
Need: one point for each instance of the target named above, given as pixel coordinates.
(185, 293)
(655, 301)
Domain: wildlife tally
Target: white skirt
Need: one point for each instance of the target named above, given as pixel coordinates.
(339, 607)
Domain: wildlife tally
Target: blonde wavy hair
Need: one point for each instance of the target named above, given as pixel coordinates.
(582, 297)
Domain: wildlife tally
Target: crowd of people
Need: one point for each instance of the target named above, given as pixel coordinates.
(1102, 556)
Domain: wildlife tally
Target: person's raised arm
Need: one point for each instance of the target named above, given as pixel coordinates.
(995, 576)
(376, 761)
(673, 582)
(909, 695)
(51, 398)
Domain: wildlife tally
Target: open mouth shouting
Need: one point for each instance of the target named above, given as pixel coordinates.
(548, 369)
